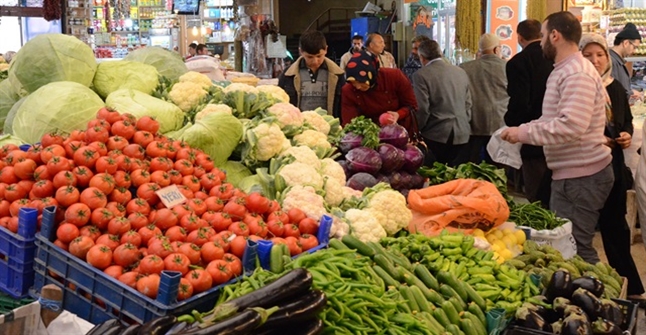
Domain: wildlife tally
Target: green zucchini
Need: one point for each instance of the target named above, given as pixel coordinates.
(276, 264)
(454, 329)
(410, 298)
(456, 303)
(474, 297)
(426, 277)
(388, 280)
(441, 317)
(477, 311)
(448, 293)
(451, 312)
(420, 299)
(480, 327)
(354, 243)
(388, 266)
(449, 279)
(335, 243)
(468, 327)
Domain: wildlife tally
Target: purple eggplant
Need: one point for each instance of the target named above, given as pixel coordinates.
(560, 285)
(576, 325)
(592, 284)
(590, 304)
(605, 327)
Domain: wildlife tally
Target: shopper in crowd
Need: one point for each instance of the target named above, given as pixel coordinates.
(313, 80)
(619, 128)
(413, 63)
(488, 95)
(201, 50)
(571, 131)
(205, 64)
(357, 45)
(377, 46)
(372, 91)
(625, 44)
(444, 100)
(191, 50)
(527, 74)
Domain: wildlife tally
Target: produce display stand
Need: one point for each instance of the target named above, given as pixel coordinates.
(18, 250)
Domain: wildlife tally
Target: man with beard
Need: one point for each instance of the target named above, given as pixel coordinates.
(571, 131)
(626, 43)
(357, 46)
(413, 63)
(527, 74)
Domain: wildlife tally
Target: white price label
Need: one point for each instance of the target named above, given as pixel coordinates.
(171, 196)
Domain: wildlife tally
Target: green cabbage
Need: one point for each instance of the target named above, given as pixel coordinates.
(253, 183)
(114, 75)
(8, 122)
(51, 57)
(217, 134)
(235, 171)
(139, 104)
(61, 106)
(169, 64)
(8, 97)
(8, 139)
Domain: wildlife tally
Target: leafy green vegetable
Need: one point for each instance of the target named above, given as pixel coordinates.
(235, 171)
(366, 128)
(8, 97)
(8, 122)
(60, 106)
(440, 173)
(139, 104)
(9, 139)
(169, 64)
(115, 75)
(4, 75)
(51, 57)
(253, 183)
(217, 134)
(534, 216)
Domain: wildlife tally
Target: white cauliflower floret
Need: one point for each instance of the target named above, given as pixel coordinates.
(269, 141)
(213, 108)
(313, 139)
(364, 226)
(196, 78)
(288, 116)
(303, 154)
(305, 199)
(349, 192)
(317, 121)
(339, 228)
(187, 95)
(332, 168)
(287, 144)
(240, 87)
(275, 91)
(334, 193)
(301, 174)
(390, 210)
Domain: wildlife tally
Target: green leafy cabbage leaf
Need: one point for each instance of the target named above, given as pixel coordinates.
(61, 106)
(8, 122)
(9, 139)
(114, 75)
(139, 104)
(235, 171)
(216, 134)
(51, 57)
(8, 97)
(169, 64)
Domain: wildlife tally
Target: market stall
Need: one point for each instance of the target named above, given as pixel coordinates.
(156, 199)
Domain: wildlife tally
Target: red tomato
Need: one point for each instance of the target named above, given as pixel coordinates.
(197, 206)
(80, 246)
(164, 218)
(13, 192)
(4, 208)
(116, 208)
(126, 255)
(307, 226)
(182, 210)
(235, 264)
(192, 251)
(130, 278)
(177, 262)
(258, 228)
(77, 135)
(42, 189)
(100, 217)
(149, 285)
(78, 214)
(185, 289)
(188, 194)
(273, 206)
(83, 176)
(138, 220)
(64, 178)
(67, 196)
(25, 169)
(138, 206)
(190, 222)
(199, 236)
(52, 151)
(119, 226)
(103, 182)
(148, 232)
(236, 209)
(114, 271)
(124, 129)
(160, 247)
(276, 227)
(256, 203)
(161, 178)
(239, 228)
(219, 173)
(51, 138)
(292, 230)
(223, 192)
(280, 216)
(99, 256)
(204, 161)
(124, 163)
(86, 156)
(192, 182)
(214, 204)
(156, 149)
(131, 237)
(184, 166)
(147, 192)
(92, 232)
(39, 174)
(97, 134)
(12, 225)
(201, 195)
(296, 215)
(134, 150)
(143, 138)
(308, 241)
(200, 279)
(238, 246)
(211, 251)
(294, 245)
(91, 196)
(106, 164)
(99, 147)
(98, 123)
(151, 264)
(108, 114)
(219, 271)
(175, 177)
(147, 123)
(111, 241)
(120, 195)
(58, 164)
(176, 233)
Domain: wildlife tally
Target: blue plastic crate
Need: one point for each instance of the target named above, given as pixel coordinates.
(97, 297)
(17, 255)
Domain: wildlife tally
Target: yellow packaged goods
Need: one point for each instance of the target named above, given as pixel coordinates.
(461, 204)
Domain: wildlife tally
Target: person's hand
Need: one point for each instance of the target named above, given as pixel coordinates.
(624, 140)
(388, 118)
(610, 142)
(510, 135)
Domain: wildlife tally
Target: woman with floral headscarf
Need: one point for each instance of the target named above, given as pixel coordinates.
(619, 128)
(372, 91)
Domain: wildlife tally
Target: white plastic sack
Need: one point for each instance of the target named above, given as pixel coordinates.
(504, 152)
(559, 238)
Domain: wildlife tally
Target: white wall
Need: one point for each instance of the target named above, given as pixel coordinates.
(10, 32)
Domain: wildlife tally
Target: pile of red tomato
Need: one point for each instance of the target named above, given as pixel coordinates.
(104, 180)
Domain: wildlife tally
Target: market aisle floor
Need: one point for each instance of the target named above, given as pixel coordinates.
(639, 255)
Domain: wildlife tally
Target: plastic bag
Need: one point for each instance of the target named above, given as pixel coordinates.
(504, 152)
(461, 204)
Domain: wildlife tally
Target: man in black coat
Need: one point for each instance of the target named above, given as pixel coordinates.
(527, 74)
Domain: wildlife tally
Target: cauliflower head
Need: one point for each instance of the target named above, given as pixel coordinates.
(196, 78)
(187, 95)
(268, 140)
(305, 199)
(315, 120)
(289, 116)
(332, 168)
(334, 193)
(364, 226)
(315, 140)
(301, 174)
(240, 87)
(339, 228)
(390, 210)
(303, 154)
(274, 91)
(213, 108)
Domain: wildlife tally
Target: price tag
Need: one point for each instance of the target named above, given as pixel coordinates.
(171, 196)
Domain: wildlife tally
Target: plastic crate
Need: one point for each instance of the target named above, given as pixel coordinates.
(96, 297)
(17, 255)
(8, 304)
(630, 311)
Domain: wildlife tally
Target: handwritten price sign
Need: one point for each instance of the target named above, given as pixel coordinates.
(171, 196)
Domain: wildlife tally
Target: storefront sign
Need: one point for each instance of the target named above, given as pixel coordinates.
(503, 19)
